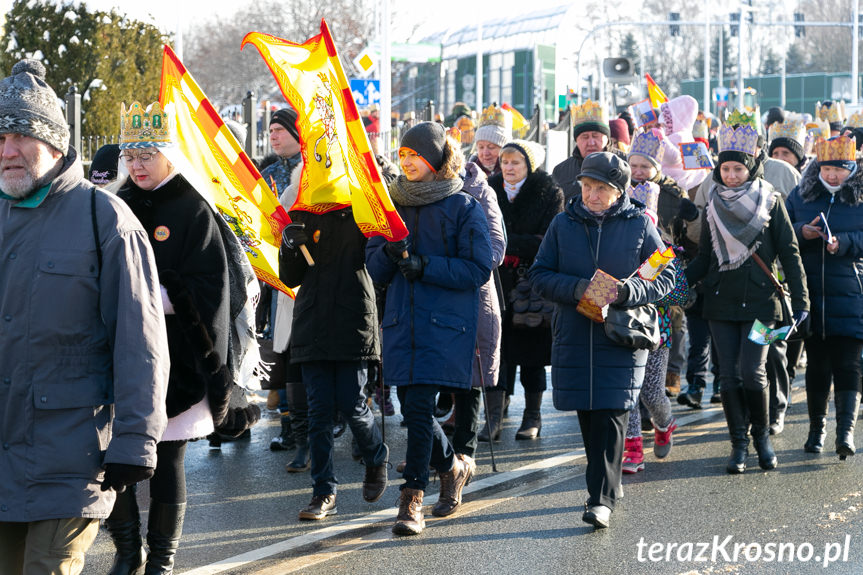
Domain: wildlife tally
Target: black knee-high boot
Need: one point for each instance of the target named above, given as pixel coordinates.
(816, 404)
(734, 406)
(164, 527)
(758, 401)
(124, 526)
(847, 406)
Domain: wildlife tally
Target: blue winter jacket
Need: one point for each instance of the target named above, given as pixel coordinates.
(429, 326)
(588, 370)
(835, 280)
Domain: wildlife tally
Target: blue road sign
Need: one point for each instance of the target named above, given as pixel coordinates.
(366, 92)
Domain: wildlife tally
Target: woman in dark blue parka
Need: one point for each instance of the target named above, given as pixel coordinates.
(432, 303)
(601, 228)
(832, 185)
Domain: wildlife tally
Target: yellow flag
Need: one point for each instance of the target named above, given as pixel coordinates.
(222, 172)
(657, 96)
(338, 166)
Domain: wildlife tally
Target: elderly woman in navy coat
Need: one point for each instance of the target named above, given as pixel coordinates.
(429, 323)
(600, 228)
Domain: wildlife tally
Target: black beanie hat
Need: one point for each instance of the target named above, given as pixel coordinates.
(286, 118)
(789, 143)
(774, 114)
(103, 168)
(428, 140)
(606, 167)
(857, 134)
(591, 127)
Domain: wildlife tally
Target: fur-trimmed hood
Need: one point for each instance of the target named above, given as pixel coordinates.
(851, 192)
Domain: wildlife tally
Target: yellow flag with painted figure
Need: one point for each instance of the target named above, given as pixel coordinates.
(655, 264)
(212, 160)
(339, 169)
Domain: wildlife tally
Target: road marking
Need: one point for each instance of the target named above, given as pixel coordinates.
(389, 514)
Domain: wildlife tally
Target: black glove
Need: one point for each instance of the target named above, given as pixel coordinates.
(413, 266)
(580, 288)
(622, 294)
(687, 210)
(294, 235)
(389, 171)
(396, 250)
(118, 476)
(800, 316)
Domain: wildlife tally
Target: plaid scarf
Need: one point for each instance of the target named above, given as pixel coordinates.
(736, 216)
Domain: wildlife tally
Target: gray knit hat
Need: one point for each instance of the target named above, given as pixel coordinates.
(29, 106)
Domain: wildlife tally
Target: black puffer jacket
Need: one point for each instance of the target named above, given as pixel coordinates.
(335, 317)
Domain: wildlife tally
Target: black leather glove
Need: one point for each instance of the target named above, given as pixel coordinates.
(800, 316)
(580, 288)
(294, 235)
(413, 266)
(118, 476)
(687, 211)
(395, 250)
(622, 294)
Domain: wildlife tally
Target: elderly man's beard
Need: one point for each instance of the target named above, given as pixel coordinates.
(22, 185)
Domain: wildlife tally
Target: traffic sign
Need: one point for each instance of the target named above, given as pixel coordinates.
(366, 92)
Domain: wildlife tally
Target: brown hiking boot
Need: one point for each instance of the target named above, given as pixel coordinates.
(410, 519)
(672, 384)
(451, 484)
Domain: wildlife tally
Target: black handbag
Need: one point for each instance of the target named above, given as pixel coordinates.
(635, 327)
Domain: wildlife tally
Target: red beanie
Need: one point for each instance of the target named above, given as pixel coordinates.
(619, 130)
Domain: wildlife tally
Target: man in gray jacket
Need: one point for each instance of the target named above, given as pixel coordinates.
(83, 348)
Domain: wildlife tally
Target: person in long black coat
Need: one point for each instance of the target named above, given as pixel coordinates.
(529, 199)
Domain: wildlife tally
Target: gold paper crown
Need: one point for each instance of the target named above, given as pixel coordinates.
(791, 128)
(742, 139)
(495, 116)
(588, 112)
(140, 128)
(818, 128)
(840, 148)
(647, 193)
(855, 121)
(647, 144)
(831, 113)
(738, 118)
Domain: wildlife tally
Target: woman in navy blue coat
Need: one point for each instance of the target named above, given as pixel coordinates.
(590, 373)
(833, 186)
(432, 303)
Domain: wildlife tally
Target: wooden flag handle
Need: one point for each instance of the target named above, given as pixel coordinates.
(305, 251)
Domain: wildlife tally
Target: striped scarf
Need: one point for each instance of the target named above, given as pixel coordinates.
(736, 216)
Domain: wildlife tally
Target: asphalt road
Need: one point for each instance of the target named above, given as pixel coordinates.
(682, 515)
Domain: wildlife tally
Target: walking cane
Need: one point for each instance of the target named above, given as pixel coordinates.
(383, 401)
(485, 402)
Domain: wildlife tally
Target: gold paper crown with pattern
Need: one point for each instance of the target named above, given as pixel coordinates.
(855, 121)
(647, 144)
(738, 118)
(647, 193)
(792, 128)
(833, 113)
(495, 116)
(840, 148)
(818, 128)
(588, 112)
(741, 139)
(144, 128)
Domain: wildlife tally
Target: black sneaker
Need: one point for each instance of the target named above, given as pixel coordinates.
(320, 507)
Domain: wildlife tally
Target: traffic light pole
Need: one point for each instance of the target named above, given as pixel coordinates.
(721, 24)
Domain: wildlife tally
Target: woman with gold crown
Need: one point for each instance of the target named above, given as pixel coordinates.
(745, 232)
(193, 273)
(493, 133)
(827, 213)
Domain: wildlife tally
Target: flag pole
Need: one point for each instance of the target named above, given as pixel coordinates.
(485, 402)
(303, 249)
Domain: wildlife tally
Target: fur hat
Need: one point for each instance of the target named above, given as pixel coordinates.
(287, 118)
(534, 154)
(427, 140)
(606, 167)
(29, 106)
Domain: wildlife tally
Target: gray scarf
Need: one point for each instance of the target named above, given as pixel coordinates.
(407, 193)
(736, 217)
